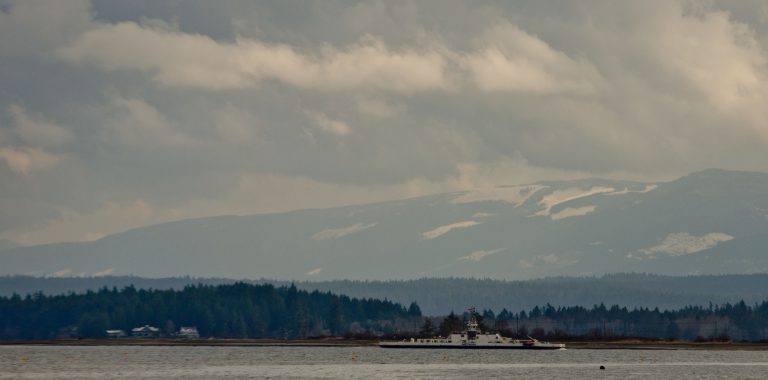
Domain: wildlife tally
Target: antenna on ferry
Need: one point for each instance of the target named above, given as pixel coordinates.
(472, 325)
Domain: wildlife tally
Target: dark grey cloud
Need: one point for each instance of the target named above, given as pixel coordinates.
(118, 114)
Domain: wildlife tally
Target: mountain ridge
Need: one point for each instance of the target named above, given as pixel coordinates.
(579, 227)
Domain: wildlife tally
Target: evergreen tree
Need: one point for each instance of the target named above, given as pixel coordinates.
(427, 329)
(673, 331)
(414, 310)
(450, 324)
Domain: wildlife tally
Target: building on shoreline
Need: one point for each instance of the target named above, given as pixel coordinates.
(145, 331)
(188, 332)
(114, 334)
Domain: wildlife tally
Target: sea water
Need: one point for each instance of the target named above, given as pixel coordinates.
(133, 362)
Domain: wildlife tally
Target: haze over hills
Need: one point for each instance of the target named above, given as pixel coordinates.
(709, 222)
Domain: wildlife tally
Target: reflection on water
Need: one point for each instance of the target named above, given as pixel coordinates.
(57, 362)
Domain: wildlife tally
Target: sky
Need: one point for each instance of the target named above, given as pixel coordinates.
(118, 114)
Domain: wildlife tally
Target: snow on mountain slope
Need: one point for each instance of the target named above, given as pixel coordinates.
(337, 233)
(515, 195)
(627, 190)
(479, 255)
(572, 211)
(681, 243)
(561, 196)
(707, 222)
(442, 230)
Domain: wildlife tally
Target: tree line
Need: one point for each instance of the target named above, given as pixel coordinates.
(738, 321)
(237, 310)
(243, 310)
(437, 296)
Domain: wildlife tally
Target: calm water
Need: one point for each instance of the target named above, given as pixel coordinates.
(56, 362)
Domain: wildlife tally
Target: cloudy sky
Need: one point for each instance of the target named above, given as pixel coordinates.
(118, 114)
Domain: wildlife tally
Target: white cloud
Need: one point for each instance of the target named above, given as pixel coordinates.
(314, 272)
(336, 233)
(24, 145)
(714, 54)
(479, 255)
(445, 229)
(336, 127)
(174, 58)
(513, 60)
(572, 211)
(682, 243)
(26, 160)
(36, 130)
(134, 122)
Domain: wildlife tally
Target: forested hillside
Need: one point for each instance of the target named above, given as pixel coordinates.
(232, 311)
(243, 310)
(438, 296)
(738, 321)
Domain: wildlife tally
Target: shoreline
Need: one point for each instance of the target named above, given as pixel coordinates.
(577, 345)
(196, 342)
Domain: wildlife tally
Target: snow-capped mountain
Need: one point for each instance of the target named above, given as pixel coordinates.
(714, 221)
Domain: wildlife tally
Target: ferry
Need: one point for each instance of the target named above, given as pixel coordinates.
(473, 338)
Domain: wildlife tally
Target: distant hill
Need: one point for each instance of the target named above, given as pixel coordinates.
(709, 222)
(440, 296)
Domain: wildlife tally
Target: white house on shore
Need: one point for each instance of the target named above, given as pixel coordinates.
(145, 331)
(188, 332)
(115, 334)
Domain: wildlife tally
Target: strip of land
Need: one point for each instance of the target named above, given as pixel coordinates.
(339, 342)
(330, 342)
